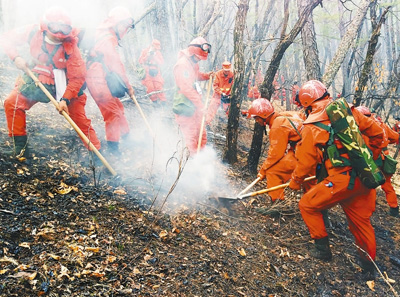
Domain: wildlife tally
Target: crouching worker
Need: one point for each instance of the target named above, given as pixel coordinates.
(59, 67)
(341, 184)
(284, 133)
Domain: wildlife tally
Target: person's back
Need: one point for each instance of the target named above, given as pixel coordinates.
(104, 61)
(340, 185)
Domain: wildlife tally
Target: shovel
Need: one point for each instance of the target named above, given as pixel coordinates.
(72, 123)
(240, 197)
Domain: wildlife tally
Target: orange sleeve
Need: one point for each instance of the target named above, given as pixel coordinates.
(278, 141)
(76, 70)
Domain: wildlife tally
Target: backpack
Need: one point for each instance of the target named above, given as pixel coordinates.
(344, 128)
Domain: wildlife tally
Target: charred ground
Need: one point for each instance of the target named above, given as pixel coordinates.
(67, 230)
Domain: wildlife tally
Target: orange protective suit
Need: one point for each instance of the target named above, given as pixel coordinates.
(152, 59)
(222, 84)
(387, 187)
(116, 124)
(358, 203)
(186, 73)
(48, 56)
(281, 160)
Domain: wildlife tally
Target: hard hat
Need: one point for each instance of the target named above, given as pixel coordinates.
(260, 108)
(311, 91)
(156, 44)
(120, 19)
(226, 65)
(200, 48)
(56, 22)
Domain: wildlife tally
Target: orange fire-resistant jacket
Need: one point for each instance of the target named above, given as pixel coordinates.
(107, 47)
(67, 56)
(281, 161)
(153, 80)
(186, 73)
(222, 84)
(309, 153)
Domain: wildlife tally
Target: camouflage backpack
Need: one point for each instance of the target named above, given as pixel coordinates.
(344, 127)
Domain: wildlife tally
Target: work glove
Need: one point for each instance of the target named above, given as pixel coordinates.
(20, 63)
(131, 92)
(261, 174)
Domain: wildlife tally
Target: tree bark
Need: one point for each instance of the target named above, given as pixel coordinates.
(372, 44)
(346, 42)
(267, 88)
(230, 154)
(310, 48)
(211, 20)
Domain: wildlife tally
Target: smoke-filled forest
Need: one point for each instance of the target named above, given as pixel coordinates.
(127, 195)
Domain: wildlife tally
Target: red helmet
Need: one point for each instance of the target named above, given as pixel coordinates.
(120, 19)
(364, 110)
(226, 65)
(156, 44)
(260, 108)
(311, 91)
(56, 22)
(200, 48)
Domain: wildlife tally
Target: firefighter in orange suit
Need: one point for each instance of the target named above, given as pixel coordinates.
(222, 91)
(187, 75)
(151, 58)
(59, 67)
(358, 202)
(284, 133)
(392, 137)
(104, 57)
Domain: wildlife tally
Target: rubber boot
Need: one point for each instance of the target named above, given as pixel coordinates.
(21, 147)
(113, 148)
(394, 212)
(368, 269)
(321, 249)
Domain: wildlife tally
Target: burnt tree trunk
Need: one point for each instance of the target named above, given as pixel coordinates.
(267, 88)
(310, 48)
(372, 44)
(230, 154)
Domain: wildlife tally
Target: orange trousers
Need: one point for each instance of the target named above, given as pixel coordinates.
(387, 187)
(358, 205)
(190, 127)
(15, 107)
(116, 124)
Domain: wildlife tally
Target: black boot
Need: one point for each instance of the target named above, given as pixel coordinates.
(325, 216)
(394, 212)
(21, 150)
(368, 269)
(113, 148)
(321, 249)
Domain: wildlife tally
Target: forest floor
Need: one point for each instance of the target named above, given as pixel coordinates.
(68, 228)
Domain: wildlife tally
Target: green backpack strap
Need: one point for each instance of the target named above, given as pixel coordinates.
(294, 126)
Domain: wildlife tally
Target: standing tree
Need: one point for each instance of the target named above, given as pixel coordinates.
(267, 88)
(230, 154)
(345, 44)
(310, 48)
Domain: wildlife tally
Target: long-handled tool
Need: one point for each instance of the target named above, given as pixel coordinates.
(203, 120)
(260, 192)
(72, 123)
(249, 187)
(143, 116)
